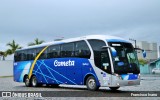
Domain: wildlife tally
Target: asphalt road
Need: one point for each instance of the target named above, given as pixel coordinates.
(148, 83)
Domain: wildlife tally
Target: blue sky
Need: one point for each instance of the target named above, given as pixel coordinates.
(25, 20)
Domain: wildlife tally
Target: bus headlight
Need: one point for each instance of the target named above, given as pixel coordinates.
(118, 76)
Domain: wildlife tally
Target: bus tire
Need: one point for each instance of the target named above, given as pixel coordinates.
(114, 88)
(34, 81)
(27, 81)
(91, 83)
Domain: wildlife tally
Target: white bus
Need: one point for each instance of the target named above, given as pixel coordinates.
(94, 60)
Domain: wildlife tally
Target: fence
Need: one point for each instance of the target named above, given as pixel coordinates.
(6, 68)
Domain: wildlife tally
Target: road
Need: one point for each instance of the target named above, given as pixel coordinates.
(148, 83)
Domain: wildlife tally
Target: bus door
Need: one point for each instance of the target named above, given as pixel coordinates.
(106, 67)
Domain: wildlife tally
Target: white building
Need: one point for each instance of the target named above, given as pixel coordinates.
(6, 68)
(159, 53)
(150, 48)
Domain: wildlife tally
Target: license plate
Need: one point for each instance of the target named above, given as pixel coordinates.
(130, 82)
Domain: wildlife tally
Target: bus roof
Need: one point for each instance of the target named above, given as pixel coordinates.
(99, 37)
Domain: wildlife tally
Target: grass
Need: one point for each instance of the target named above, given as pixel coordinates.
(5, 76)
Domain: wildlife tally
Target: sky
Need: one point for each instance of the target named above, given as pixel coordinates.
(25, 20)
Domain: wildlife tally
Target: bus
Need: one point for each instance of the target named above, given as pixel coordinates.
(94, 60)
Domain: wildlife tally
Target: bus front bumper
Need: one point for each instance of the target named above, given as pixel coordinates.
(119, 83)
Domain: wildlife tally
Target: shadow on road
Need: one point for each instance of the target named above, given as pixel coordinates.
(67, 88)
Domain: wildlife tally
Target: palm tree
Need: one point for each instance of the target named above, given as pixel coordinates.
(13, 47)
(3, 55)
(36, 42)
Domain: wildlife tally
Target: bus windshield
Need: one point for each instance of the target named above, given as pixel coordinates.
(126, 60)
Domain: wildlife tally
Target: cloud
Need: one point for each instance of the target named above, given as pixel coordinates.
(47, 20)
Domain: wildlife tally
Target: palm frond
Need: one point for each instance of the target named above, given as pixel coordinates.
(36, 42)
(13, 47)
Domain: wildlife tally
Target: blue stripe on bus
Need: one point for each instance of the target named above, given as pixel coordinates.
(129, 77)
(117, 40)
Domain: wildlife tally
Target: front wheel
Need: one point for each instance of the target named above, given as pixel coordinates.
(114, 88)
(91, 84)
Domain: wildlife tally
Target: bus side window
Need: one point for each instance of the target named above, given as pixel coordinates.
(97, 48)
(105, 62)
(53, 51)
(82, 50)
(34, 54)
(19, 56)
(38, 50)
(23, 55)
(44, 54)
(30, 54)
(16, 56)
(67, 50)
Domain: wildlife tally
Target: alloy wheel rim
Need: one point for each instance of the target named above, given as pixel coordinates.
(34, 81)
(91, 83)
(27, 81)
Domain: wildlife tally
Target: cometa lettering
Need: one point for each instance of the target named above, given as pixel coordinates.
(63, 63)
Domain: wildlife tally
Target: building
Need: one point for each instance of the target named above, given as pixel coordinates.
(150, 48)
(155, 64)
(159, 53)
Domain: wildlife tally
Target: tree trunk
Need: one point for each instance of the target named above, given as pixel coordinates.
(3, 58)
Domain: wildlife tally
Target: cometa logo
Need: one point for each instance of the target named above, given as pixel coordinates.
(63, 63)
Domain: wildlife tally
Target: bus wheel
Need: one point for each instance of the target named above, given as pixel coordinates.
(114, 88)
(34, 82)
(27, 81)
(91, 83)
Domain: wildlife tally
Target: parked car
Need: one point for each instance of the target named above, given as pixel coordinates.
(156, 70)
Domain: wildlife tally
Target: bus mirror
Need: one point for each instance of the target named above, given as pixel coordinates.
(114, 52)
(144, 53)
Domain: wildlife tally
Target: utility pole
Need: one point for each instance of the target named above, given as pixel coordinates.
(134, 42)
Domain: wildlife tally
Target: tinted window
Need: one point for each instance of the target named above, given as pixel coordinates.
(23, 55)
(82, 50)
(105, 62)
(53, 51)
(127, 55)
(17, 56)
(44, 53)
(97, 48)
(38, 50)
(77, 49)
(20, 55)
(31, 54)
(67, 50)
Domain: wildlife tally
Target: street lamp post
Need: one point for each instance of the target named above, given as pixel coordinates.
(134, 42)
